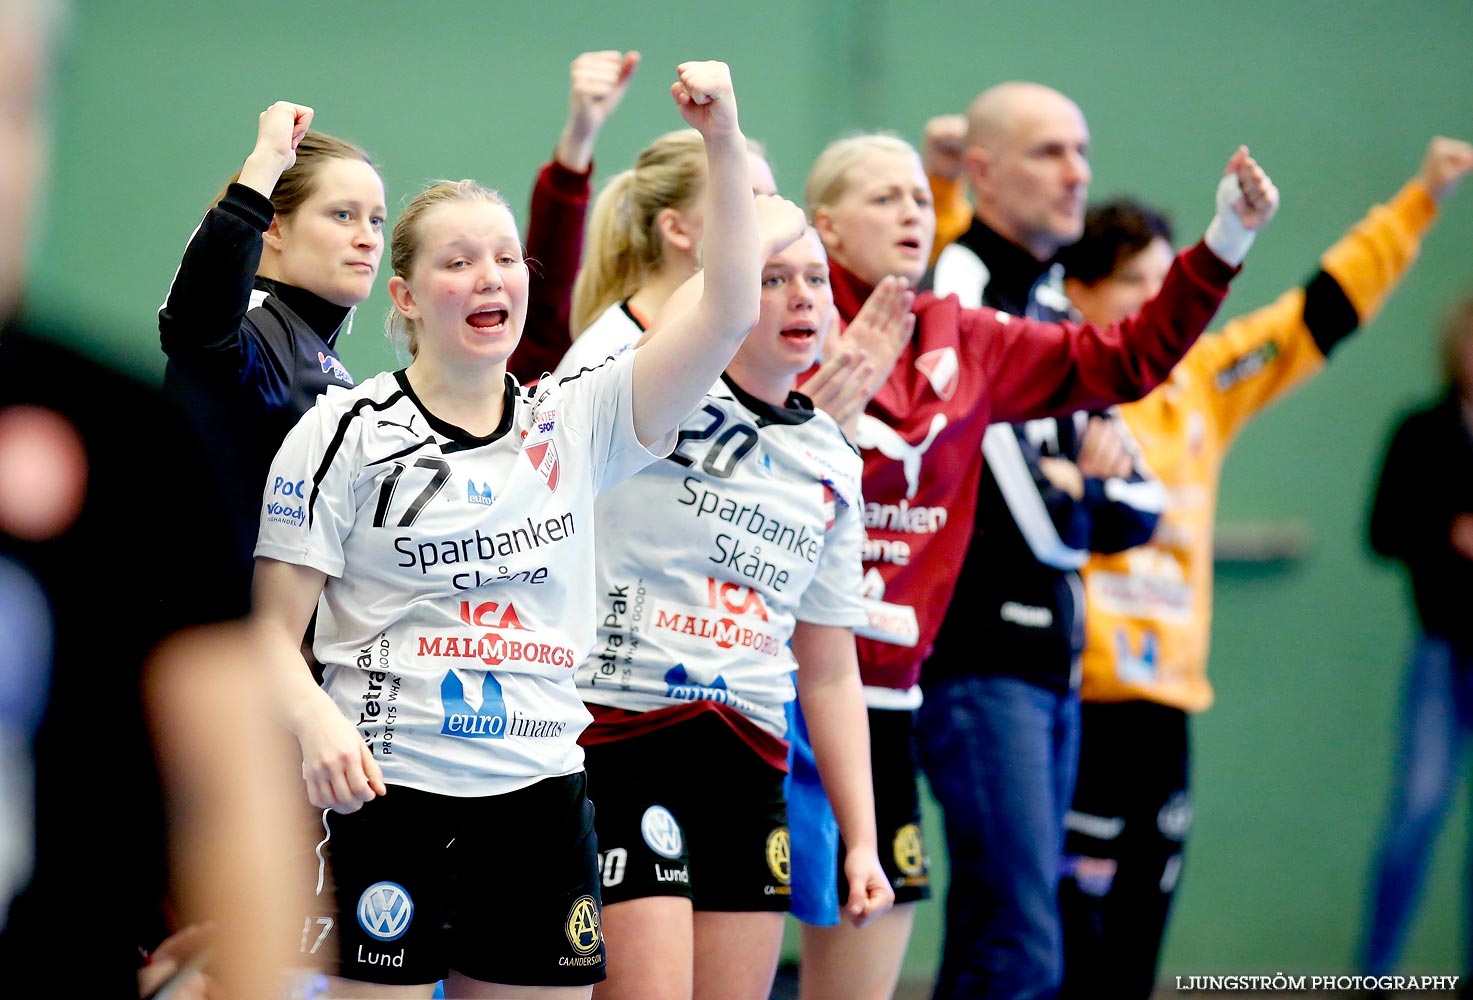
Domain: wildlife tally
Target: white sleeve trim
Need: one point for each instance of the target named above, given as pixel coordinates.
(892, 699)
(1147, 496)
(1010, 469)
(960, 272)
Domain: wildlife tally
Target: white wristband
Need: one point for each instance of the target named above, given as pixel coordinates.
(1226, 235)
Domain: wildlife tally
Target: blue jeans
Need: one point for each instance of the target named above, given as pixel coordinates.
(1436, 716)
(1001, 756)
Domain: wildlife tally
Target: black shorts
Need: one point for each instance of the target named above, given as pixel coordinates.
(1133, 801)
(691, 810)
(897, 807)
(500, 888)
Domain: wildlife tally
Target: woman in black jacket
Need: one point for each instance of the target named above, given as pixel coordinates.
(268, 282)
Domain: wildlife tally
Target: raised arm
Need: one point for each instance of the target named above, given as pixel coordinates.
(340, 772)
(682, 360)
(211, 291)
(1041, 369)
(833, 703)
(942, 146)
(1261, 355)
(599, 81)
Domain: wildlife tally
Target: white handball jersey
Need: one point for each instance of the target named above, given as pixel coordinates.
(460, 594)
(707, 558)
(614, 333)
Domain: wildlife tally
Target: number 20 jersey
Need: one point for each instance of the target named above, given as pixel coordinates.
(706, 560)
(459, 597)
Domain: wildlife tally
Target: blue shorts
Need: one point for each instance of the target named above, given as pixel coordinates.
(818, 870)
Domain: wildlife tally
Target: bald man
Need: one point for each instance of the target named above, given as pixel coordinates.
(998, 729)
(1026, 159)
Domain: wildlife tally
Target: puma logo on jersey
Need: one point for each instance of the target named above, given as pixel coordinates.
(881, 437)
(394, 423)
(332, 364)
(941, 369)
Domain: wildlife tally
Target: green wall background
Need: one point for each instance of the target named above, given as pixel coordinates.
(157, 106)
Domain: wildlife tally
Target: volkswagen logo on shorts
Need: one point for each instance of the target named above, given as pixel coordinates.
(384, 910)
(661, 831)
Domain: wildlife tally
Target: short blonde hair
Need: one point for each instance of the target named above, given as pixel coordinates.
(830, 176)
(405, 245)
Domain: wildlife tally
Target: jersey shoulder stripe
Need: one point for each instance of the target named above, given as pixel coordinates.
(365, 394)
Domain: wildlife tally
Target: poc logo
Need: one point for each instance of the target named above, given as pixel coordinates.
(285, 487)
(385, 910)
(661, 832)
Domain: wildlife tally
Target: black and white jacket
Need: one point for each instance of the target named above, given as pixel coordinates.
(1018, 609)
(248, 355)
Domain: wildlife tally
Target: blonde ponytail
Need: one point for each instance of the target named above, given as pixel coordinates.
(623, 246)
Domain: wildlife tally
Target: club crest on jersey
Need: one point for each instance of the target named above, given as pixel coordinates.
(941, 369)
(543, 457)
(482, 496)
(333, 365)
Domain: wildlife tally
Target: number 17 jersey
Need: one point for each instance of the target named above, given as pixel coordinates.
(459, 597)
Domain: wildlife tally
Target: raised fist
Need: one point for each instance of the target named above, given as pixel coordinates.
(1446, 163)
(1256, 199)
(599, 80)
(279, 130)
(706, 100)
(598, 83)
(942, 146)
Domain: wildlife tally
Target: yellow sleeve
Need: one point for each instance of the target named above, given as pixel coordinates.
(953, 212)
(1252, 361)
(1370, 260)
(1258, 357)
